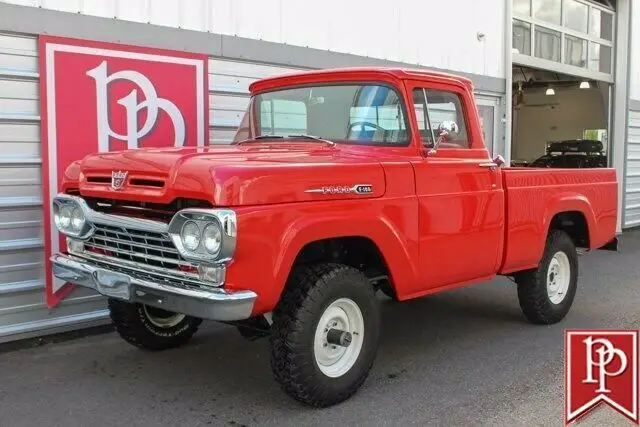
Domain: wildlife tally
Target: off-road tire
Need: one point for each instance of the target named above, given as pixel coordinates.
(309, 291)
(532, 284)
(133, 325)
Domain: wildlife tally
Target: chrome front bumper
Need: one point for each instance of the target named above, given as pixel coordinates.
(213, 304)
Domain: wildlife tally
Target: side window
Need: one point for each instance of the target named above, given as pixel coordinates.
(440, 106)
(282, 117)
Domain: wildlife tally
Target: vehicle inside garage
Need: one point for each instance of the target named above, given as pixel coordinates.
(559, 120)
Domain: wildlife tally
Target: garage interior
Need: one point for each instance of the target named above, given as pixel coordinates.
(550, 107)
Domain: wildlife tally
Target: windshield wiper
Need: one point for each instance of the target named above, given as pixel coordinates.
(301, 135)
(313, 137)
(259, 137)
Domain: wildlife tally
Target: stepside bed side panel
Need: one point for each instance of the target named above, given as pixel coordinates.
(535, 196)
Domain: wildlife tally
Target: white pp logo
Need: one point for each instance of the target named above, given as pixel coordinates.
(130, 102)
(606, 354)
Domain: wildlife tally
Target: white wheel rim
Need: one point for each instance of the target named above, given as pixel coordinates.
(163, 322)
(558, 277)
(334, 360)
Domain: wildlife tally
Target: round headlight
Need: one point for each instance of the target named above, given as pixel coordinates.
(212, 238)
(64, 217)
(56, 219)
(77, 219)
(190, 236)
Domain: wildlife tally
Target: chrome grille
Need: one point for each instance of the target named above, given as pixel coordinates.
(149, 248)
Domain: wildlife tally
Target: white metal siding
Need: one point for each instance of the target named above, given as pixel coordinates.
(415, 32)
(634, 89)
(22, 307)
(632, 172)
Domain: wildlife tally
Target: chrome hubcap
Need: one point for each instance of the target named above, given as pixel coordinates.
(338, 338)
(558, 277)
(161, 318)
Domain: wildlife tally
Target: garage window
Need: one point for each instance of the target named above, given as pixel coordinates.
(600, 58)
(601, 24)
(576, 15)
(578, 33)
(575, 51)
(548, 44)
(547, 10)
(522, 37)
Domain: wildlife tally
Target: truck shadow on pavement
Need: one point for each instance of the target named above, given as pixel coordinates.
(220, 367)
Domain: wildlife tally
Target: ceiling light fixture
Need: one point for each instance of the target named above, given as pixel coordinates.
(584, 85)
(550, 91)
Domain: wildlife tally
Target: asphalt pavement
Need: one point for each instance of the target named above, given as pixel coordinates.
(465, 357)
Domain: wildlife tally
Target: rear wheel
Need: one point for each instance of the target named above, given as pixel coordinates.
(546, 293)
(325, 334)
(151, 328)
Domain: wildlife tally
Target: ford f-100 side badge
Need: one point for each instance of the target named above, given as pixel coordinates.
(342, 189)
(117, 179)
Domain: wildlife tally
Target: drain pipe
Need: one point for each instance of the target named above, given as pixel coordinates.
(508, 66)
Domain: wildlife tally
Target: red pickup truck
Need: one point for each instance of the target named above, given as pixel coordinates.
(339, 183)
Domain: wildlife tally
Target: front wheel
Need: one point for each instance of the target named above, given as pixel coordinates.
(547, 292)
(325, 334)
(151, 328)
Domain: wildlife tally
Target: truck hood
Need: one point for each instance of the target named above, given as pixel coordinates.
(251, 174)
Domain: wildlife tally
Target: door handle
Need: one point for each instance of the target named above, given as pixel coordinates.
(489, 165)
(497, 162)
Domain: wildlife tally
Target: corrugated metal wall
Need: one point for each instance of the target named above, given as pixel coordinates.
(23, 312)
(632, 173)
(22, 307)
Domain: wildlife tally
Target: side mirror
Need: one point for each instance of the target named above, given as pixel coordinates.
(447, 130)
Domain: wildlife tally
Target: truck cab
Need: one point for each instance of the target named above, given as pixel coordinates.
(337, 185)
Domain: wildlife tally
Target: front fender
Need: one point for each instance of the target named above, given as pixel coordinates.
(395, 247)
(270, 238)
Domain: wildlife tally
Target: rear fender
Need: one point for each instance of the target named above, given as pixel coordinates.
(567, 202)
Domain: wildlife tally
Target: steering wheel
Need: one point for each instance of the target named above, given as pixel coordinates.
(373, 125)
(363, 124)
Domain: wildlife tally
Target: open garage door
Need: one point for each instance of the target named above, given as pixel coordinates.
(559, 120)
(632, 173)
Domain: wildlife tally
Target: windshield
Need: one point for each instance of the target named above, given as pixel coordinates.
(364, 114)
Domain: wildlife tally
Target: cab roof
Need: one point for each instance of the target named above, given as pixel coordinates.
(358, 73)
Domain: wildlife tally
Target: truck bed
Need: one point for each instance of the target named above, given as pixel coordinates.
(534, 196)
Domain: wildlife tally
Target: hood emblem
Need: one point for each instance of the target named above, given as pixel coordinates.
(361, 189)
(117, 179)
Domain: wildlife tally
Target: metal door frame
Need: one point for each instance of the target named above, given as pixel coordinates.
(492, 101)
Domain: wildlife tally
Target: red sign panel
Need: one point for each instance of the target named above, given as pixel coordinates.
(99, 97)
(601, 367)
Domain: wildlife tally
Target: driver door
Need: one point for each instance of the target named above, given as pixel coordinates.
(460, 196)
